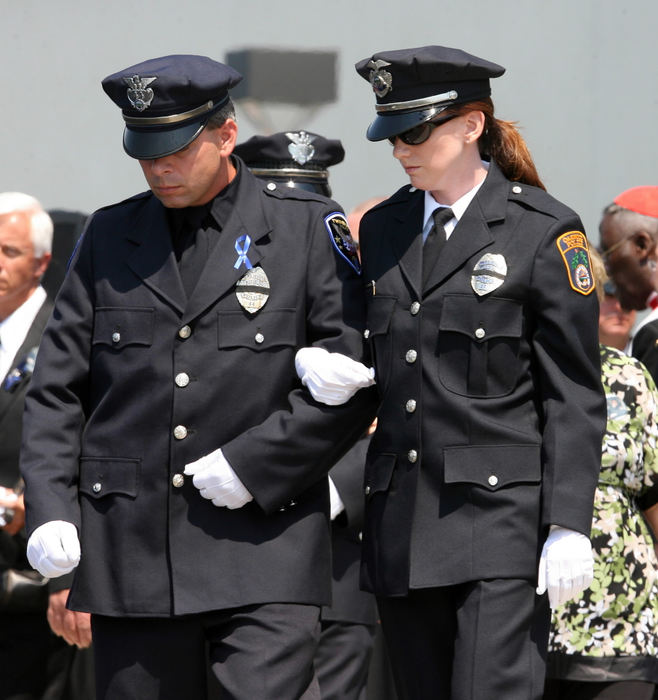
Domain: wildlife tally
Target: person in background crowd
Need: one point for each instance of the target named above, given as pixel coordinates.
(605, 644)
(171, 455)
(482, 324)
(35, 664)
(302, 159)
(629, 232)
(615, 322)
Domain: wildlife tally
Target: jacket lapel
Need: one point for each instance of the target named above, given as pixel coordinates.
(407, 240)
(220, 272)
(153, 260)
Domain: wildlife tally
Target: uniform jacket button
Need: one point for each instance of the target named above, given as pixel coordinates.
(185, 332)
(480, 333)
(177, 480)
(96, 488)
(410, 406)
(180, 432)
(493, 480)
(367, 490)
(411, 356)
(182, 379)
(259, 338)
(116, 337)
(412, 456)
(414, 308)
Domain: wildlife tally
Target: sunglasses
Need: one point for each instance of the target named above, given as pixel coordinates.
(419, 134)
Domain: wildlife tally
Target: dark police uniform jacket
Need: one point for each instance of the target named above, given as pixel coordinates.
(492, 408)
(134, 381)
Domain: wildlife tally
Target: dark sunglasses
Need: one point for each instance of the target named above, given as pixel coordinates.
(419, 134)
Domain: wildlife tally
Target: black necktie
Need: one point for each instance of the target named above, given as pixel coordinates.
(435, 240)
(191, 244)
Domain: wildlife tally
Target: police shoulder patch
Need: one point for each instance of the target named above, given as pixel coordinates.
(575, 254)
(339, 232)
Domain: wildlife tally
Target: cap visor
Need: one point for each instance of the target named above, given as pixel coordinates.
(147, 144)
(386, 125)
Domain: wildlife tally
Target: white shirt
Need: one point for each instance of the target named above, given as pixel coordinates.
(14, 329)
(458, 208)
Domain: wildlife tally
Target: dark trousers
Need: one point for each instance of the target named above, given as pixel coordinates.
(342, 660)
(256, 651)
(481, 640)
(584, 690)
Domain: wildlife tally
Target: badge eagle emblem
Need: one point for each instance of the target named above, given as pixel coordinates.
(380, 79)
(300, 147)
(139, 94)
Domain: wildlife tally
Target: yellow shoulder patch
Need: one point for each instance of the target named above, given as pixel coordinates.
(575, 254)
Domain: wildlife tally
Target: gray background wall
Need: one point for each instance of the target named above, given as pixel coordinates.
(581, 81)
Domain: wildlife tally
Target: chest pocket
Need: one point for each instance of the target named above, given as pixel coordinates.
(118, 327)
(266, 330)
(479, 344)
(380, 341)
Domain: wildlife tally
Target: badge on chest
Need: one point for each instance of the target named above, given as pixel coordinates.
(253, 290)
(489, 273)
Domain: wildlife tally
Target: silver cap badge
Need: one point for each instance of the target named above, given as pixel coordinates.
(253, 290)
(301, 149)
(139, 94)
(380, 79)
(489, 273)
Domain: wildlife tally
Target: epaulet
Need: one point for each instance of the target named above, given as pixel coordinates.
(134, 198)
(274, 189)
(538, 199)
(402, 195)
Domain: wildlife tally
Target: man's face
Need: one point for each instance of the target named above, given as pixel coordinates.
(20, 270)
(194, 175)
(615, 323)
(627, 265)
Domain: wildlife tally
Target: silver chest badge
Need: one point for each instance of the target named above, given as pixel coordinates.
(489, 273)
(139, 94)
(301, 149)
(380, 79)
(253, 290)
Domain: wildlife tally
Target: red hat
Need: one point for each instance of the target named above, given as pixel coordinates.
(642, 200)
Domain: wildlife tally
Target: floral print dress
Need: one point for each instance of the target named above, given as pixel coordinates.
(611, 633)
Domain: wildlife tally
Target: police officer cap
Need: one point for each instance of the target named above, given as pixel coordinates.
(414, 85)
(296, 158)
(167, 101)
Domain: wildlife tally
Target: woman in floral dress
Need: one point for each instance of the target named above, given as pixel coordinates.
(605, 645)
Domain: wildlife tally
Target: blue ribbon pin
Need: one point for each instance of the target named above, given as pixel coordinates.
(241, 248)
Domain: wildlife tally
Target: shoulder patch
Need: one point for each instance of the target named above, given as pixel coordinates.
(339, 232)
(575, 254)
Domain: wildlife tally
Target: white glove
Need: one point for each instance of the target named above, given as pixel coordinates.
(336, 504)
(331, 378)
(216, 480)
(566, 566)
(54, 548)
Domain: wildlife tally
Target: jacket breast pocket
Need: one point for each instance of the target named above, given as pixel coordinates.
(119, 327)
(264, 331)
(109, 476)
(379, 337)
(479, 344)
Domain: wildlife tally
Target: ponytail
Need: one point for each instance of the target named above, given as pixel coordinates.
(502, 142)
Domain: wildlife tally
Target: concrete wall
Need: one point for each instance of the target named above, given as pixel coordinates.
(582, 81)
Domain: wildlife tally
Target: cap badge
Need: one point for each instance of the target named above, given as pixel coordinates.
(489, 273)
(380, 79)
(139, 94)
(301, 149)
(253, 290)
(575, 255)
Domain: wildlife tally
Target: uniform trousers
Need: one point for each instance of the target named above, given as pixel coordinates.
(256, 651)
(557, 689)
(480, 640)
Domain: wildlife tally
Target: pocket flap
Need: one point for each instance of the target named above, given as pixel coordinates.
(378, 473)
(380, 312)
(265, 330)
(481, 319)
(121, 326)
(102, 476)
(492, 466)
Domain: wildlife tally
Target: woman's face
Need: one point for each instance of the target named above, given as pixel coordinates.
(446, 159)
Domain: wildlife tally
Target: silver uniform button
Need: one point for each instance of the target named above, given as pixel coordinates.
(177, 480)
(96, 488)
(517, 189)
(185, 332)
(180, 432)
(116, 337)
(493, 480)
(366, 334)
(411, 405)
(271, 186)
(480, 333)
(367, 490)
(259, 338)
(412, 456)
(411, 356)
(182, 379)
(414, 308)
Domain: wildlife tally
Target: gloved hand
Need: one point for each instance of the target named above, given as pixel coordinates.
(54, 548)
(331, 378)
(336, 505)
(216, 481)
(566, 566)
